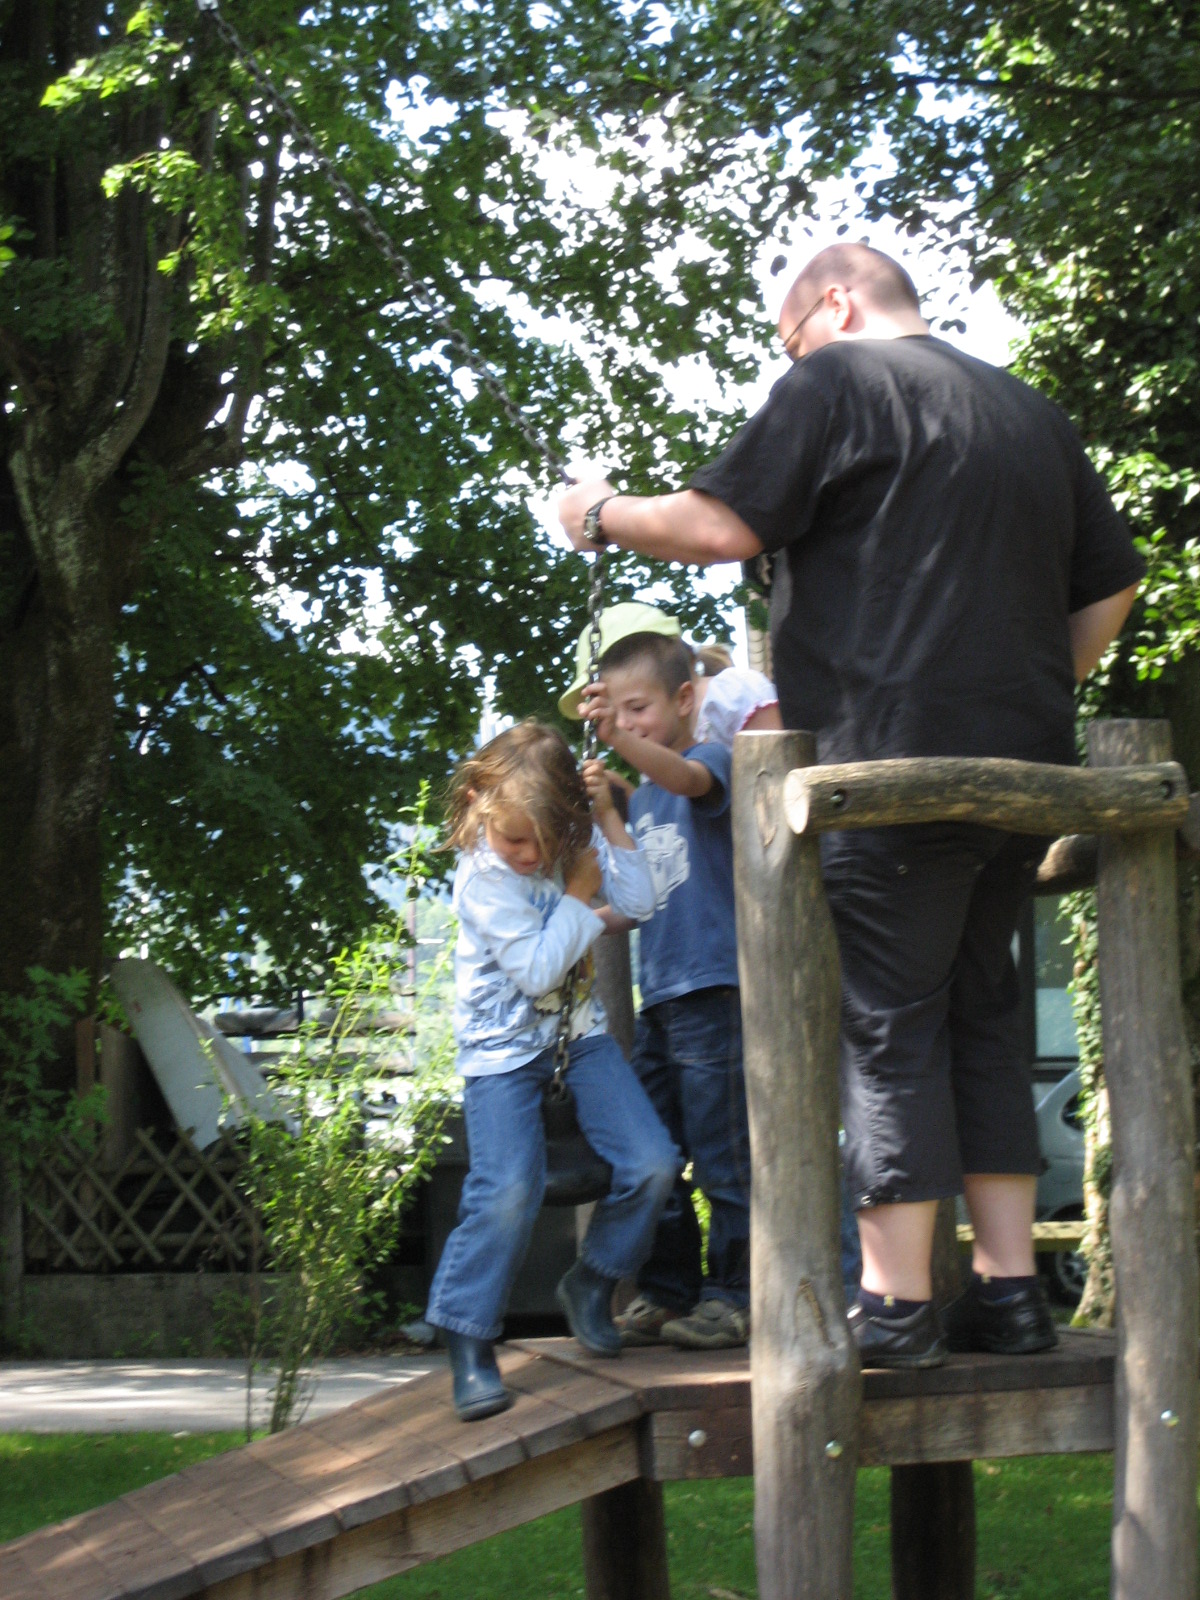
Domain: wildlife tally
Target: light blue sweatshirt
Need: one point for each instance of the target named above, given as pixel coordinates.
(518, 938)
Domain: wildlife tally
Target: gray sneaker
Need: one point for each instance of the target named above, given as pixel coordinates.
(713, 1325)
(642, 1321)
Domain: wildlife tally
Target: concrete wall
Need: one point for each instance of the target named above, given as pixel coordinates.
(93, 1316)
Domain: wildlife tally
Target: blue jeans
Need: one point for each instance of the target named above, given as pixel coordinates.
(688, 1055)
(503, 1190)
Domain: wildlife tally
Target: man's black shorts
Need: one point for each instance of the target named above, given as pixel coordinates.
(935, 1071)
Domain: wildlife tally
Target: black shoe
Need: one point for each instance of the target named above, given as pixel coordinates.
(1016, 1326)
(478, 1391)
(913, 1341)
(586, 1299)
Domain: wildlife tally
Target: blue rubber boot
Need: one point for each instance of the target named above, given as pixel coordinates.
(586, 1299)
(478, 1391)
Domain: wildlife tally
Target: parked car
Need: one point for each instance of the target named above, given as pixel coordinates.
(1060, 1187)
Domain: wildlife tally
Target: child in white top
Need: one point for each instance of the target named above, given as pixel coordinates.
(730, 699)
(531, 861)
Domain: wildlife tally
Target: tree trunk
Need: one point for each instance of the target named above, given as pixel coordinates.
(56, 720)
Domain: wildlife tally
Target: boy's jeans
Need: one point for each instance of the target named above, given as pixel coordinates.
(503, 1189)
(688, 1055)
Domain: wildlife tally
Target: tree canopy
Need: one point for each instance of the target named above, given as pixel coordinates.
(236, 453)
(235, 450)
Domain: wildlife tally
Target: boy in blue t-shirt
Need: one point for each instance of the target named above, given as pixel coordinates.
(688, 1048)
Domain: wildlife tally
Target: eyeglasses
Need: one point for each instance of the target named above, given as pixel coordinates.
(812, 311)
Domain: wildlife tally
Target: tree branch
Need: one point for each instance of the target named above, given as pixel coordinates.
(147, 724)
(98, 459)
(34, 390)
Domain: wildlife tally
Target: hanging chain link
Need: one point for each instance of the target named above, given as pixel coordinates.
(354, 203)
(591, 740)
(438, 314)
(591, 737)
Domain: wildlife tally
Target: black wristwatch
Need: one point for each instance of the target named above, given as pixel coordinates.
(592, 531)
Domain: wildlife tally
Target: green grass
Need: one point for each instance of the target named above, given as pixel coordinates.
(1043, 1524)
(45, 1477)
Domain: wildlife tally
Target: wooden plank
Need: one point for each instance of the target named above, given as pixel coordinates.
(599, 1402)
(549, 1415)
(19, 1582)
(1018, 796)
(252, 1494)
(281, 1505)
(59, 1558)
(137, 1561)
(666, 1379)
(422, 1533)
(806, 1390)
(699, 1443)
(211, 1529)
(1152, 1211)
(977, 1426)
(657, 1376)
(411, 1405)
(1081, 1358)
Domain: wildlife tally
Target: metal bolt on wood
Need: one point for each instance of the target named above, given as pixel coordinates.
(834, 1449)
(697, 1438)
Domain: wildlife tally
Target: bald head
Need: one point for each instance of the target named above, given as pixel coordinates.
(882, 300)
(855, 266)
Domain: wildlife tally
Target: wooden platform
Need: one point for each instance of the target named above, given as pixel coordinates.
(396, 1480)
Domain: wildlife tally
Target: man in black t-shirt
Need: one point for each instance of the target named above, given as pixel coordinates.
(947, 566)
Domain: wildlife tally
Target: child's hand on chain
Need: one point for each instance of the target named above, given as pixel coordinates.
(595, 706)
(598, 781)
(582, 879)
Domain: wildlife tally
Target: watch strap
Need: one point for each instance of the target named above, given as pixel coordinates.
(593, 532)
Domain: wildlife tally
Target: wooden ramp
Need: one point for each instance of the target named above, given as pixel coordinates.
(396, 1480)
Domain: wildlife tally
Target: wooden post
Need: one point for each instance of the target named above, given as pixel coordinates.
(614, 985)
(1152, 1214)
(805, 1382)
(933, 1531)
(625, 1543)
(624, 1529)
(933, 1503)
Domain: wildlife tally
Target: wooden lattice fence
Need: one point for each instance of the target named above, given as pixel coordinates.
(166, 1207)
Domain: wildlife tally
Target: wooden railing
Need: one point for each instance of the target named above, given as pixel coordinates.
(806, 1383)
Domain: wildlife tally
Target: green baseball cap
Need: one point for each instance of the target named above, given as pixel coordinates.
(616, 623)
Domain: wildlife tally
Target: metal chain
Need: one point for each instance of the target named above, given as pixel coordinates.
(491, 380)
(591, 740)
(369, 223)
